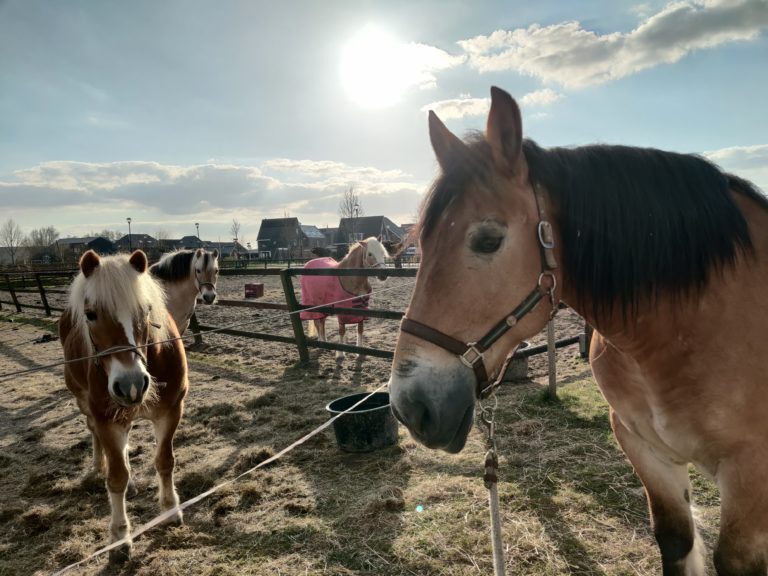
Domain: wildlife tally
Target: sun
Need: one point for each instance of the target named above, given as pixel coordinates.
(375, 71)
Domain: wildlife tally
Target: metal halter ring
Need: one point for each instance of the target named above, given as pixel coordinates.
(471, 350)
(551, 275)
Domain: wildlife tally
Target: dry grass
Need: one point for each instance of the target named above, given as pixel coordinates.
(570, 502)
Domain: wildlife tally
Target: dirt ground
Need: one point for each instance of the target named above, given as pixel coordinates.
(401, 510)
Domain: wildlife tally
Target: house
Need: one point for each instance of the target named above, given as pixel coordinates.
(71, 248)
(131, 242)
(226, 249)
(312, 237)
(281, 237)
(381, 227)
(331, 235)
(188, 242)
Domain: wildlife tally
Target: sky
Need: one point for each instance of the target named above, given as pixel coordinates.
(173, 112)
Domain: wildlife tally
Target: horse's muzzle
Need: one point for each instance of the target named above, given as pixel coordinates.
(209, 297)
(130, 388)
(437, 406)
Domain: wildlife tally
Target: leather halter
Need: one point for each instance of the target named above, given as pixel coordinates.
(471, 353)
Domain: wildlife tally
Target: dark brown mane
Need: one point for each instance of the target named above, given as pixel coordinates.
(634, 221)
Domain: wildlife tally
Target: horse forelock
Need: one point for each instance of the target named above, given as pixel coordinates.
(115, 286)
(377, 249)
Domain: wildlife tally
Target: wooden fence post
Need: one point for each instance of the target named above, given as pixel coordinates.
(293, 307)
(584, 340)
(551, 360)
(13, 293)
(42, 294)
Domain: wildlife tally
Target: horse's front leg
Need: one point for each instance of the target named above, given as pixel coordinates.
(342, 340)
(320, 329)
(114, 442)
(668, 489)
(741, 547)
(98, 451)
(165, 461)
(360, 327)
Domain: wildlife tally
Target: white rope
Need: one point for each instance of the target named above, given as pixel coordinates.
(498, 545)
(551, 359)
(276, 316)
(160, 518)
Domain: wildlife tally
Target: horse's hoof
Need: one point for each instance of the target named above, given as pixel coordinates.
(131, 491)
(339, 360)
(175, 520)
(120, 555)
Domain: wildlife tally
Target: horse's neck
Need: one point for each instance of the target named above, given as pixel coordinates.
(354, 284)
(181, 298)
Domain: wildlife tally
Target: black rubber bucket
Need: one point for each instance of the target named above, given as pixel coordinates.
(369, 426)
(518, 368)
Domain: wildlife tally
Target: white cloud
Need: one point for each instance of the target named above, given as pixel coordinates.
(465, 105)
(572, 56)
(157, 193)
(750, 162)
(541, 97)
(459, 107)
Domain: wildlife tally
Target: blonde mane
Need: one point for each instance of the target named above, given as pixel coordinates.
(116, 286)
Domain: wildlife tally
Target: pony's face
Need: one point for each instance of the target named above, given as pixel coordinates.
(113, 323)
(374, 255)
(480, 259)
(206, 270)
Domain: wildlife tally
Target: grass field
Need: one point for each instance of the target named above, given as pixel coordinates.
(570, 501)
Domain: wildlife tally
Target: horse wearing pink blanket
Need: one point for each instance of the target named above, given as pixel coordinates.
(345, 291)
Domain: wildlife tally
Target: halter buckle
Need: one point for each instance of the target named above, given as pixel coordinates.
(546, 236)
(471, 350)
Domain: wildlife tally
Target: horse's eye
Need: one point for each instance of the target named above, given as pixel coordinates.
(90, 315)
(199, 271)
(485, 244)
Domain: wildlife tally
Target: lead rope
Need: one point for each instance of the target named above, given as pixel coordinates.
(491, 480)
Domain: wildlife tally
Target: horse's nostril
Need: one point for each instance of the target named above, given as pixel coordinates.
(146, 384)
(118, 389)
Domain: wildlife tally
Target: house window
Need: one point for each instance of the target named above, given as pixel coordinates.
(355, 236)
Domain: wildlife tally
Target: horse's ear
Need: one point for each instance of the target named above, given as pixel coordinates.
(215, 253)
(504, 132)
(139, 261)
(447, 146)
(198, 253)
(89, 262)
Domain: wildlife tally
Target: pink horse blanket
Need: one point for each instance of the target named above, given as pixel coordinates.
(320, 290)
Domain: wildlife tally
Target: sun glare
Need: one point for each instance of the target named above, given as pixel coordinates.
(375, 71)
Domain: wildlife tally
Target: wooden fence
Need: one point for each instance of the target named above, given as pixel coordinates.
(55, 282)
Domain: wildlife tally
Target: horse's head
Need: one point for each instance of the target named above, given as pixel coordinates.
(206, 269)
(117, 306)
(481, 259)
(374, 255)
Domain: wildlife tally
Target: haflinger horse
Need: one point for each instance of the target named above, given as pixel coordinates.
(185, 275)
(116, 312)
(319, 290)
(663, 253)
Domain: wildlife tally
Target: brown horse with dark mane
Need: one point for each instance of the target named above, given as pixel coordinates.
(663, 253)
(116, 312)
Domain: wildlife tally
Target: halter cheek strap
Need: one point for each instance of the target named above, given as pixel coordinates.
(471, 353)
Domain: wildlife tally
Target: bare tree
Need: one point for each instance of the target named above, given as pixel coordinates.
(234, 230)
(162, 236)
(11, 237)
(349, 206)
(43, 237)
(108, 234)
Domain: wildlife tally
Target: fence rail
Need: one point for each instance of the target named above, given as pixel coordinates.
(45, 284)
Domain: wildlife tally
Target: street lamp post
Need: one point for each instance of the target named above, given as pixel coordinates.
(130, 244)
(197, 226)
(354, 220)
